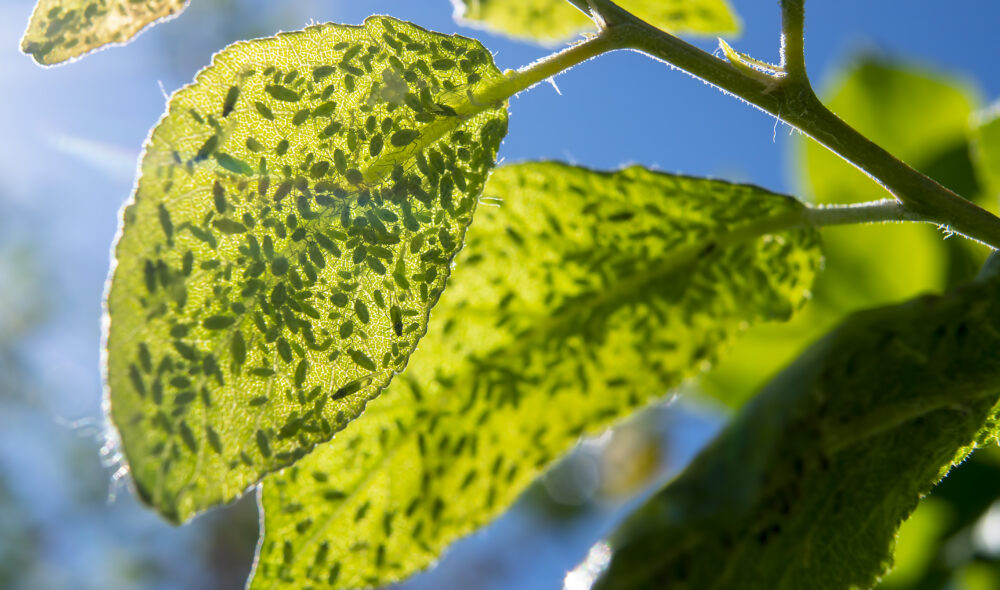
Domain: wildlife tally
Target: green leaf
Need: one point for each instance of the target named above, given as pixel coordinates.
(808, 485)
(272, 274)
(868, 265)
(63, 29)
(986, 142)
(579, 297)
(554, 21)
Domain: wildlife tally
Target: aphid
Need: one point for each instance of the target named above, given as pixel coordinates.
(375, 147)
(145, 360)
(361, 310)
(347, 390)
(213, 439)
(188, 437)
(362, 510)
(334, 574)
(165, 223)
(284, 350)
(397, 320)
(319, 169)
(322, 72)
(234, 165)
(321, 552)
(263, 110)
(218, 322)
(361, 359)
(300, 372)
(136, 378)
(264, 444)
(353, 176)
(219, 196)
(207, 148)
(228, 226)
(230, 102)
(283, 93)
(300, 116)
(279, 265)
(376, 265)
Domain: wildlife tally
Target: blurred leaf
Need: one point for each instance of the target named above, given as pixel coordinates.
(582, 297)
(808, 485)
(869, 265)
(555, 21)
(986, 142)
(295, 219)
(882, 263)
(63, 29)
(917, 542)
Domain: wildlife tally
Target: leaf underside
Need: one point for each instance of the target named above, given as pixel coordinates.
(807, 487)
(579, 297)
(294, 221)
(554, 21)
(63, 29)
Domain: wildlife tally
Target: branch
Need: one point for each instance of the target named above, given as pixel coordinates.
(794, 102)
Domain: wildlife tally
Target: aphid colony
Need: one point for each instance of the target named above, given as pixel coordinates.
(291, 233)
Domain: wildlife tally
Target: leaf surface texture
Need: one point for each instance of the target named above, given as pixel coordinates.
(296, 214)
(581, 296)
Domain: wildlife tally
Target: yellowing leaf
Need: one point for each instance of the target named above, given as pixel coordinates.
(553, 21)
(809, 484)
(63, 29)
(579, 297)
(295, 218)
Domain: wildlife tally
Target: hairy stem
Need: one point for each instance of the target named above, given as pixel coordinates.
(884, 211)
(545, 68)
(792, 36)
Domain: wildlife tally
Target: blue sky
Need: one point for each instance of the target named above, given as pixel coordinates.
(72, 134)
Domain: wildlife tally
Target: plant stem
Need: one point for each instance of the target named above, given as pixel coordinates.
(792, 39)
(884, 211)
(793, 101)
(788, 97)
(530, 75)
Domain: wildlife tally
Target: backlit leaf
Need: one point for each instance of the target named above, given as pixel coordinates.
(553, 21)
(63, 29)
(808, 485)
(272, 274)
(581, 297)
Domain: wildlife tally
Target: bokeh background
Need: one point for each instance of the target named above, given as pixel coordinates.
(69, 140)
